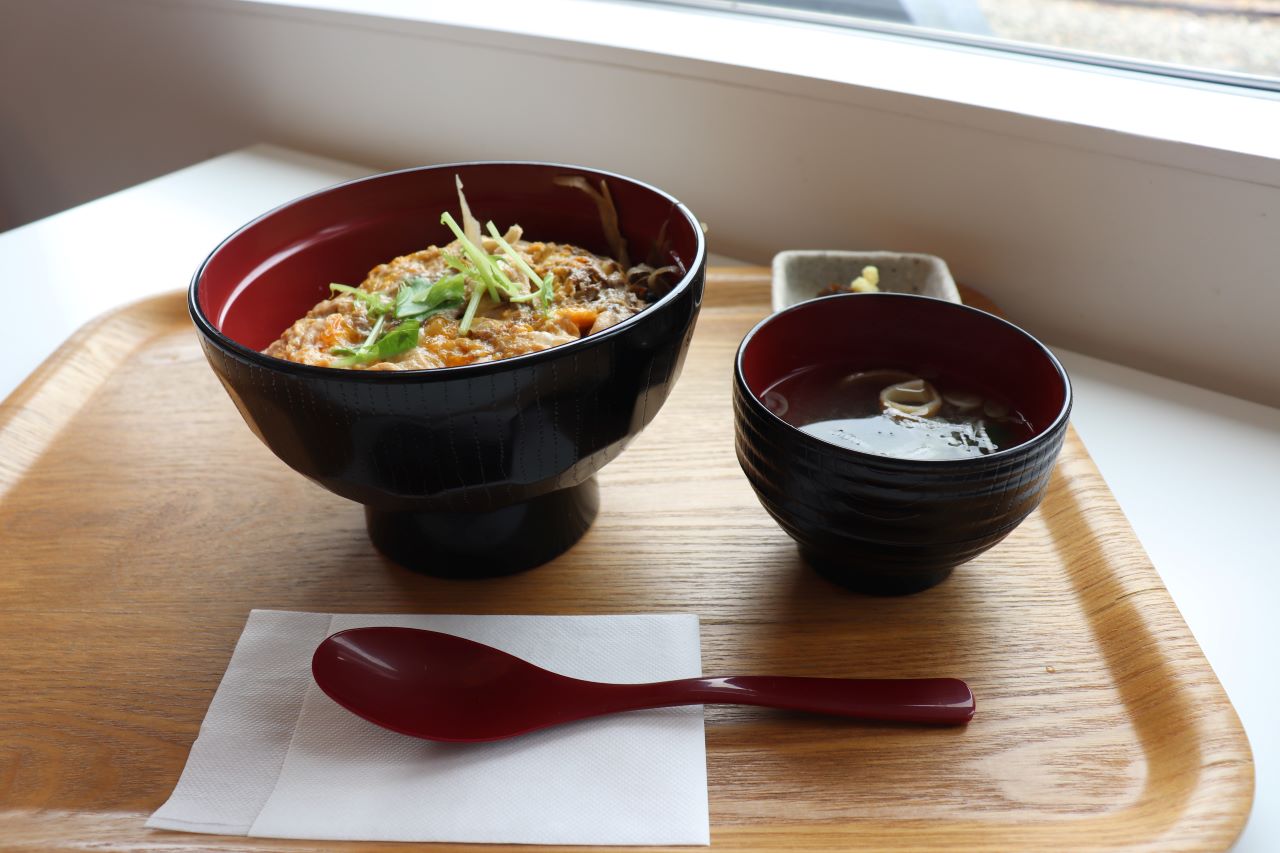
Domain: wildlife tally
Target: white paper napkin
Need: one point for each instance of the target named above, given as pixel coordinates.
(275, 757)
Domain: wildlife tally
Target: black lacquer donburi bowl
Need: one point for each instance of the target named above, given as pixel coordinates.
(879, 524)
(470, 471)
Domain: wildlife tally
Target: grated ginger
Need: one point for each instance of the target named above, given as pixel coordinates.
(868, 282)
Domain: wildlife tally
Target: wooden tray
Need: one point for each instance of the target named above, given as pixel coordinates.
(141, 521)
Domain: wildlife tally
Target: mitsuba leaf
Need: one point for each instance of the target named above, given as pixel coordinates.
(399, 340)
(374, 303)
(420, 298)
(452, 289)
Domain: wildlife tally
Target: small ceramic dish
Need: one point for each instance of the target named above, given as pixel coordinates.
(802, 275)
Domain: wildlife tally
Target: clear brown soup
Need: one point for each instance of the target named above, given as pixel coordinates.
(897, 413)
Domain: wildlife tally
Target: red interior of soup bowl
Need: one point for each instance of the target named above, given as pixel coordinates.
(912, 333)
(272, 271)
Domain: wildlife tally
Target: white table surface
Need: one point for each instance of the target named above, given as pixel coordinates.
(1197, 473)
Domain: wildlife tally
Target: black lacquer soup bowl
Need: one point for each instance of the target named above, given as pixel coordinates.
(469, 471)
(875, 523)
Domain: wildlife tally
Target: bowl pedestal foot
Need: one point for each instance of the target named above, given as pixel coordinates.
(864, 578)
(486, 544)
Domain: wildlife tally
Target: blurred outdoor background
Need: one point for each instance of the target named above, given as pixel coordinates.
(1225, 35)
(1232, 37)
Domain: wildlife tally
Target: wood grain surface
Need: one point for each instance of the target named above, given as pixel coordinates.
(141, 521)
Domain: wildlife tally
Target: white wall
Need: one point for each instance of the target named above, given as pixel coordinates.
(1161, 263)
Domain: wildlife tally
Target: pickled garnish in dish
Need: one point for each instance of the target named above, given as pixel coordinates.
(896, 413)
(485, 296)
(868, 281)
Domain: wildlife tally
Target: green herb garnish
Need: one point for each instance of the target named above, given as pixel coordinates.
(464, 325)
(374, 349)
(482, 271)
(545, 290)
(420, 298)
(374, 303)
(481, 266)
(476, 273)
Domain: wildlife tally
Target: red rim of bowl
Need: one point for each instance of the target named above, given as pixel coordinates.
(239, 349)
(818, 444)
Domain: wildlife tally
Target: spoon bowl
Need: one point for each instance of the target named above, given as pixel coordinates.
(440, 687)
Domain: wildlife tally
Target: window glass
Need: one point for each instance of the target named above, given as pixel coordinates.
(1226, 41)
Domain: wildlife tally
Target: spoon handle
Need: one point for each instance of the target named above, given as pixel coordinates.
(944, 701)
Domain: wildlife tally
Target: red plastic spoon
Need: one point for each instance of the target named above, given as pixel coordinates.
(442, 687)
